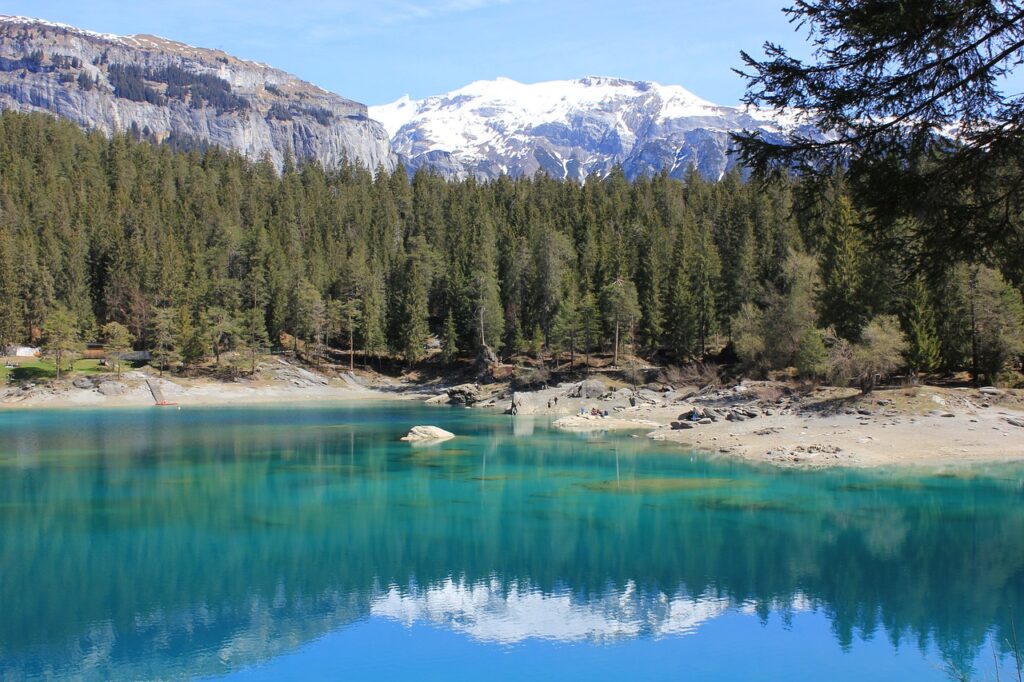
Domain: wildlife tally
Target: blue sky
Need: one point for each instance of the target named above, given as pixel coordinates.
(374, 51)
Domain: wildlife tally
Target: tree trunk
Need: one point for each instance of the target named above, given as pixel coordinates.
(483, 342)
(974, 329)
(615, 353)
(351, 349)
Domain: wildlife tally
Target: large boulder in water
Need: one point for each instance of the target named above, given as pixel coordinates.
(422, 434)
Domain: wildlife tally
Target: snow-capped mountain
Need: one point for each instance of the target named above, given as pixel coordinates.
(569, 129)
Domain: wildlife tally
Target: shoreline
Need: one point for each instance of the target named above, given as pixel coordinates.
(281, 384)
(770, 423)
(754, 421)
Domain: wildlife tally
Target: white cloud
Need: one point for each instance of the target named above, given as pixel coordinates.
(329, 21)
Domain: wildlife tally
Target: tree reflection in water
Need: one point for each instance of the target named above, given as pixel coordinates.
(206, 540)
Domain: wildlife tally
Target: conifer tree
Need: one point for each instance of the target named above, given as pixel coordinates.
(412, 326)
(590, 325)
(343, 319)
(193, 338)
(705, 270)
(683, 319)
(565, 330)
(649, 286)
(449, 339)
(118, 341)
(163, 338)
(372, 317)
(488, 313)
(60, 332)
(841, 296)
(253, 335)
(621, 309)
(11, 328)
(923, 347)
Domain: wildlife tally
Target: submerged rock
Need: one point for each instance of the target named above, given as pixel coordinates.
(419, 434)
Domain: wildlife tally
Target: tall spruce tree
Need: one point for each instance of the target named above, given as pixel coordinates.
(924, 352)
(841, 297)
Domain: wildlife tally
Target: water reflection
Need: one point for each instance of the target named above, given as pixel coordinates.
(141, 544)
(493, 612)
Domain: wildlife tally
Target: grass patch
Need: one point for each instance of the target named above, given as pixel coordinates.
(42, 369)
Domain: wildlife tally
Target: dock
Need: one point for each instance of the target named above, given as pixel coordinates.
(158, 394)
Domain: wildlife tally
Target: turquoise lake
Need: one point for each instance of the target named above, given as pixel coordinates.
(309, 543)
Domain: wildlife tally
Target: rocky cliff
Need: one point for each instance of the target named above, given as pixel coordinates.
(171, 92)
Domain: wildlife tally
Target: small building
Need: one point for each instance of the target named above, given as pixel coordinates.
(94, 351)
(22, 351)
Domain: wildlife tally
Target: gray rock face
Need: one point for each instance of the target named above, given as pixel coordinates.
(464, 394)
(571, 129)
(589, 389)
(111, 388)
(171, 92)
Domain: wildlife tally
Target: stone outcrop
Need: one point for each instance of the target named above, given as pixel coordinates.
(589, 389)
(464, 394)
(423, 434)
(187, 96)
(109, 388)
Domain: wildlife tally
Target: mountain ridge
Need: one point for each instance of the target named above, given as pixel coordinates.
(571, 129)
(168, 90)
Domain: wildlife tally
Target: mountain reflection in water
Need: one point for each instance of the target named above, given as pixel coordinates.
(138, 544)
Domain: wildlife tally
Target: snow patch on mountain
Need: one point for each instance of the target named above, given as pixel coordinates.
(569, 129)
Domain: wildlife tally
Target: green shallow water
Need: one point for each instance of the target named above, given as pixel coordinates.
(309, 543)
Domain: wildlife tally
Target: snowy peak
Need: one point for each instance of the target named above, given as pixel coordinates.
(569, 129)
(543, 102)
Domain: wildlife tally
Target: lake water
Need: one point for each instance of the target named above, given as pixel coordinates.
(309, 543)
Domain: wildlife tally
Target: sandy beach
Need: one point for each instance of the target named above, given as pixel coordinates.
(278, 382)
(768, 422)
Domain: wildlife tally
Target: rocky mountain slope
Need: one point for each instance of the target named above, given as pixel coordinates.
(168, 91)
(569, 129)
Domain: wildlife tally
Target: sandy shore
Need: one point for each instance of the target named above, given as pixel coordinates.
(282, 383)
(756, 421)
(764, 422)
